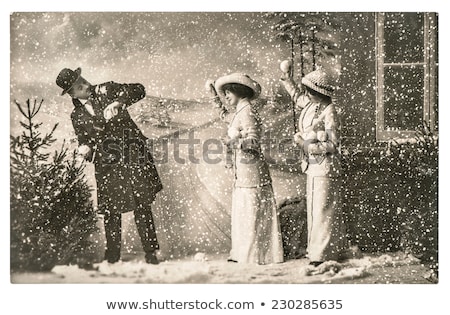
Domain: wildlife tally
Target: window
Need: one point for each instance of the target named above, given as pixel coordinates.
(406, 56)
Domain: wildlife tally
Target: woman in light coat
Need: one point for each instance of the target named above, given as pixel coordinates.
(319, 137)
(255, 229)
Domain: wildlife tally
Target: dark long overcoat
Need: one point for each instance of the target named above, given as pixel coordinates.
(125, 171)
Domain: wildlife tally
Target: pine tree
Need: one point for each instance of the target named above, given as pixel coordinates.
(52, 215)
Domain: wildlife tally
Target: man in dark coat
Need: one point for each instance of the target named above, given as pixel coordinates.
(125, 172)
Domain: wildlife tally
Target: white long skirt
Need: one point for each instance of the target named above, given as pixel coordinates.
(255, 228)
(326, 228)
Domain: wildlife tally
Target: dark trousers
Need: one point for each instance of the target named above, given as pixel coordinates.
(113, 230)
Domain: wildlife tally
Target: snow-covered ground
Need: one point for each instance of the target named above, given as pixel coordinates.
(364, 285)
(203, 268)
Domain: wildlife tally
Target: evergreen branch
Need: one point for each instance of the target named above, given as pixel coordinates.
(36, 110)
(38, 125)
(47, 141)
(28, 109)
(20, 108)
(30, 123)
(14, 142)
(58, 157)
(53, 130)
(15, 162)
(24, 125)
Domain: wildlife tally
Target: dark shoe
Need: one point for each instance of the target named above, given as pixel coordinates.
(112, 256)
(316, 263)
(231, 260)
(151, 258)
(112, 260)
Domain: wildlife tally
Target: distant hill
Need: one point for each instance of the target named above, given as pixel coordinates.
(53, 101)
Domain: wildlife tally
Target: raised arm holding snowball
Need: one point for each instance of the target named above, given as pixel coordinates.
(319, 126)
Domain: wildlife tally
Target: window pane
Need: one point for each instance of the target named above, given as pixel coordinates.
(404, 37)
(403, 97)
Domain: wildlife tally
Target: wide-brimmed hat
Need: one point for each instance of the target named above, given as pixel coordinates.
(239, 78)
(67, 78)
(319, 81)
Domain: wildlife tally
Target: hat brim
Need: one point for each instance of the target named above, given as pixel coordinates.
(316, 88)
(240, 79)
(78, 72)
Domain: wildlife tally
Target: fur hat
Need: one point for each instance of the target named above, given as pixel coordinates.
(320, 81)
(239, 78)
(67, 78)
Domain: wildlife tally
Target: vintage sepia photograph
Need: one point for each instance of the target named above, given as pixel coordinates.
(314, 147)
(219, 147)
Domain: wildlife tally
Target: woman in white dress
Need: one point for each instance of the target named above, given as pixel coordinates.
(319, 136)
(255, 228)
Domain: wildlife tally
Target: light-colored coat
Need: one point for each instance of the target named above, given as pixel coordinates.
(249, 165)
(255, 228)
(322, 156)
(326, 228)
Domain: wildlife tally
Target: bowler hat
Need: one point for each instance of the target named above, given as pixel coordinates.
(239, 78)
(320, 81)
(67, 78)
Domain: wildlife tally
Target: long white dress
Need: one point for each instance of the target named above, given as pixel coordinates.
(255, 228)
(326, 226)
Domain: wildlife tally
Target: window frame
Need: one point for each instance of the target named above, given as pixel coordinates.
(430, 71)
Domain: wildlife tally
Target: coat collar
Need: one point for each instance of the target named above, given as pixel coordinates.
(243, 102)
